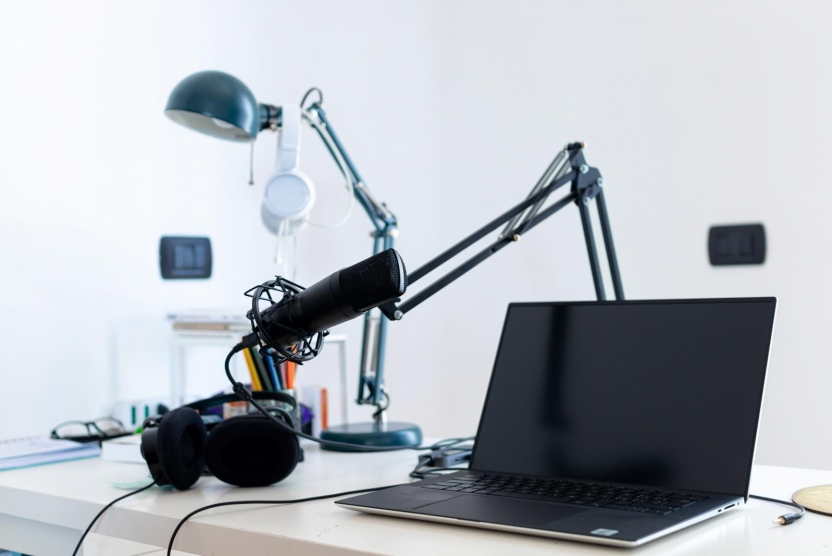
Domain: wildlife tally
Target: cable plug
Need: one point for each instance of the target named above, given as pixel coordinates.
(249, 341)
(426, 460)
(787, 518)
(242, 392)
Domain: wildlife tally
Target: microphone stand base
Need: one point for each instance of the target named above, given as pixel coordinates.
(373, 434)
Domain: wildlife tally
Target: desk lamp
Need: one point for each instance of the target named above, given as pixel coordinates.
(220, 105)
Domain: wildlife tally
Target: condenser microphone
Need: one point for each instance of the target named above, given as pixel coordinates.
(342, 296)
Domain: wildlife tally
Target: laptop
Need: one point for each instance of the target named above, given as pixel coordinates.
(613, 423)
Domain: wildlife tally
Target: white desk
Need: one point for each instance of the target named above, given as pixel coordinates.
(43, 510)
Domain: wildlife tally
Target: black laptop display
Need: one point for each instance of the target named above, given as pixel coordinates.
(641, 416)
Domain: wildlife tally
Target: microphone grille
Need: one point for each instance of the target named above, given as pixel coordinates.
(374, 281)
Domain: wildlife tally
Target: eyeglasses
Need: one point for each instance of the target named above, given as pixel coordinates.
(89, 431)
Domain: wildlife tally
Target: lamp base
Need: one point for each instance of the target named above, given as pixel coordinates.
(373, 434)
(816, 499)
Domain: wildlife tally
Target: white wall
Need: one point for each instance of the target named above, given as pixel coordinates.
(697, 114)
(92, 173)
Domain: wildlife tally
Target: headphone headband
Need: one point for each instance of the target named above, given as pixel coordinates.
(217, 401)
(288, 144)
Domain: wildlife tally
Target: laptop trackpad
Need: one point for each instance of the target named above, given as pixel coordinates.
(503, 510)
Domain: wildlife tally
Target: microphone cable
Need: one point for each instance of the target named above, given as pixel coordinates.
(210, 506)
(439, 449)
(244, 394)
(275, 502)
(104, 509)
(784, 519)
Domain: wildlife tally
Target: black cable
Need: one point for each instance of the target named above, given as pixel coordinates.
(784, 519)
(320, 100)
(439, 448)
(244, 394)
(240, 502)
(448, 442)
(417, 474)
(382, 407)
(104, 509)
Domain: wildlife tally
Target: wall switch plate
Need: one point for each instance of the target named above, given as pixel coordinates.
(739, 244)
(185, 257)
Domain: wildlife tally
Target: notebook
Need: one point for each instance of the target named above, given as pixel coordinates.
(25, 452)
(125, 449)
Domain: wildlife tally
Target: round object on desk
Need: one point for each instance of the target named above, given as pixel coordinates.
(816, 499)
(373, 434)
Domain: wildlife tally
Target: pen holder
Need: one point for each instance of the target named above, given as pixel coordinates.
(294, 412)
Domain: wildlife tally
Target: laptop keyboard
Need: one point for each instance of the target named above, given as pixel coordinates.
(571, 492)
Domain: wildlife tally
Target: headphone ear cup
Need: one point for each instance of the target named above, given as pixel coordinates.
(180, 447)
(288, 198)
(251, 450)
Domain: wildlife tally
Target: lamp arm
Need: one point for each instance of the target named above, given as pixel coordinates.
(381, 217)
(327, 141)
(371, 377)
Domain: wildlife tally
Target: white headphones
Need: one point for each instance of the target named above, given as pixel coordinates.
(289, 193)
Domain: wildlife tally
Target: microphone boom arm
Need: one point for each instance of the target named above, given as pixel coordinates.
(586, 186)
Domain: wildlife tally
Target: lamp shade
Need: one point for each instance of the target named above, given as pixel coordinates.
(216, 104)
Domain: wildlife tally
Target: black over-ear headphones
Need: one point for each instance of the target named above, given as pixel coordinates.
(245, 450)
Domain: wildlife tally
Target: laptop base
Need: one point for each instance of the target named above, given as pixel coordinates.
(514, 515)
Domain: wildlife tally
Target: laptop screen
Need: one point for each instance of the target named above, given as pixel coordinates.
(655, 393)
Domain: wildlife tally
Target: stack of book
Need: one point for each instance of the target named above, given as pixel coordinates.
(26, 452)
(210, 321)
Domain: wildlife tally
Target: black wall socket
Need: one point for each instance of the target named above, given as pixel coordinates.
(185, 257)
(738, 244)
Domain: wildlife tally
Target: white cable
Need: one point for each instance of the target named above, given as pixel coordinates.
(286, 252)
(341, 165)
(280, 253)
(295, 250)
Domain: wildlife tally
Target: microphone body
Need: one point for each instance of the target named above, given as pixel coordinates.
(342, 296)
